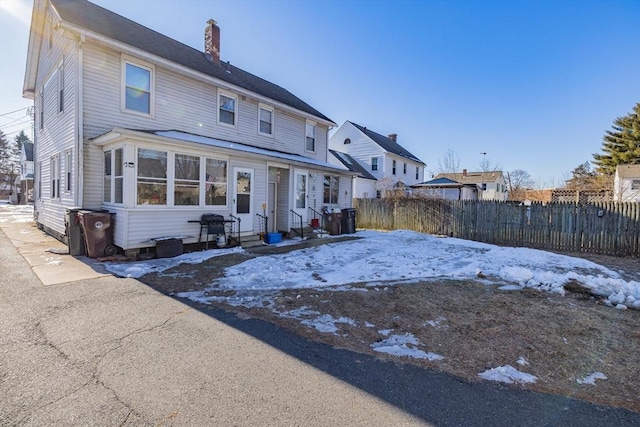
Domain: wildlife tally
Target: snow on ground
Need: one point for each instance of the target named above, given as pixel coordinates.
(393, 258)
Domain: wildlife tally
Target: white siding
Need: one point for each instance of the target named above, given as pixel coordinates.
(59, 131)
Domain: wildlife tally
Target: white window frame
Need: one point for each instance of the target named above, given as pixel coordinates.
(375, 163)
(333, 188)
(41, 108)
(126, 60)
(186, 182)
(233, 96)
(60, 92)
(310, 125)
(404, 168)
(54, 176)
(68, 170)
(149, 180)
(393, 167)
(271, 110)
(212, 182)
(417, 172)
(114, 179)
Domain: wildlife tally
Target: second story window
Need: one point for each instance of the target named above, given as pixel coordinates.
(138, 88)
(227, 109)
(265, 120)
(393, 167)
(635, 184)
(374, 163)
(310, 144)
(61, 87)
(404, 169)
(417, 172)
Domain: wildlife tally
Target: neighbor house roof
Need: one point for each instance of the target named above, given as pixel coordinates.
(443, 182)
(176, 135)
(387, 143)
(472, 177)
(106, 23)
(28, 151)
(628, 171)
(352, 164)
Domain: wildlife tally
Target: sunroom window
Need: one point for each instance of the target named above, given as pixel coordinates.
(215, 188)
(187, 180)
(152, 177)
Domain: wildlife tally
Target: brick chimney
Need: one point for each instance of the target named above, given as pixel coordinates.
(393, 137)
(464, 172)
(212, 41)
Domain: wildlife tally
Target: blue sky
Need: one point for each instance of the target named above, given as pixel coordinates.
(534, 84)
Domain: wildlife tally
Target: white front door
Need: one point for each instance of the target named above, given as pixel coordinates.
(243, 197)
(300, 195)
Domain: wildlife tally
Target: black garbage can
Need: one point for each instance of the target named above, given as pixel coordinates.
(98, 233)
(348, 221)
(75, 237)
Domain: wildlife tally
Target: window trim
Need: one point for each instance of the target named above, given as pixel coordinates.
(113, 177)
(68, 170)
(270, 109)
(60, 91)
(404, 168)
(393, 167)
(314, 125)
(333, 179)
(54, 176)
(213, 183)
(417, 173)
(375, 163)
(168, 180)
(123, 85)
(227, 94)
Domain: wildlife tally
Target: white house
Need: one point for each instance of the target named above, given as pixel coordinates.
(388, 162)
(158, 133)
(26, 171)
(626, 183)
(490, 185)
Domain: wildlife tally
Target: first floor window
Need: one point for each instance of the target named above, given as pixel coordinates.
(310, 144)
(330, 189)
(215, 187)
(113, 176)
(152, 177)
(67, 170)
(55, 177)
(39, 195)
(187, 180)
(374, 163)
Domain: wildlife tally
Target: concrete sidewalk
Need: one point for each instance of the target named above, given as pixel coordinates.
(48, 258)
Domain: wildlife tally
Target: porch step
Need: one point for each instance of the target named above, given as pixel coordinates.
(249, 241)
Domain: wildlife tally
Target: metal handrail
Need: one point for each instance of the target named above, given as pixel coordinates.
(265, 221)
(296, 215)
(237, 238)
(318, 214)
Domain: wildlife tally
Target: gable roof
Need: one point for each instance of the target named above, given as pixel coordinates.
(387, 143)
(472, 177)
(27, 147)
(628, 171)
(443, 182)
(352, 164)
(92, 17)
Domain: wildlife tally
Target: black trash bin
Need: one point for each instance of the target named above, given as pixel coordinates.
(348, 221)
(98, 233)
(75, 237)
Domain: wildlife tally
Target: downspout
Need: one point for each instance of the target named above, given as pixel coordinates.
(79, 196)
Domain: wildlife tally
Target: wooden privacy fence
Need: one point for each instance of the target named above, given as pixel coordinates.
(606, 228)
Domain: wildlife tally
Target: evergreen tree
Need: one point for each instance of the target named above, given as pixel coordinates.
(621, 146)
(20, 139)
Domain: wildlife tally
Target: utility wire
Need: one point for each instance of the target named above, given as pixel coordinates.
(11, 112)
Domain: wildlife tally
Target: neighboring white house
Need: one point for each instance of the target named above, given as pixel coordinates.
(364, 184)
(26, 171)
(626, 183)
(386, 160)
(448, 189)
(488, 185)
(136, 123)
